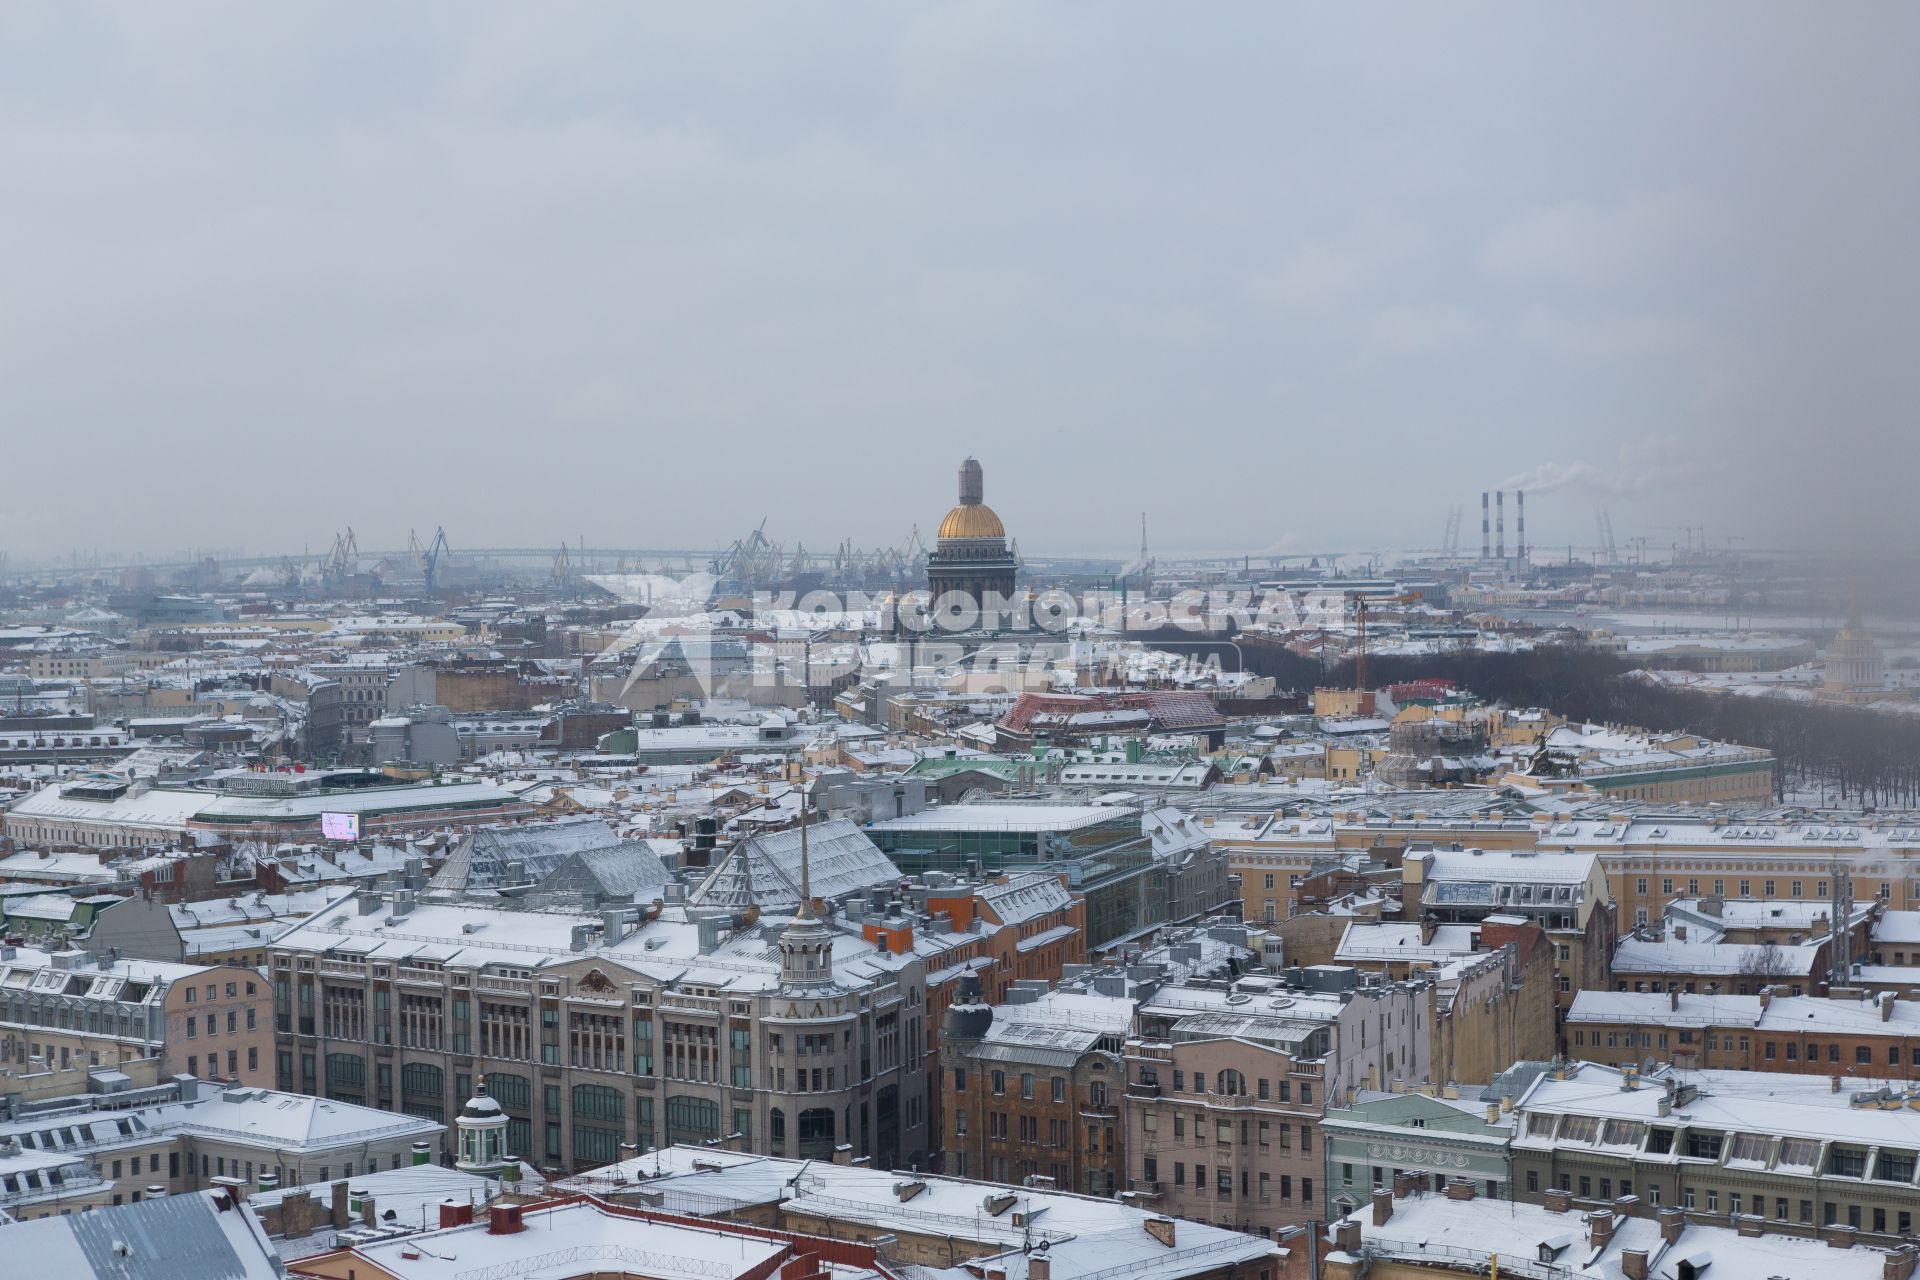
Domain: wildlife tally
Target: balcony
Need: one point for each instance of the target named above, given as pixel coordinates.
(504, 986)
(1141, 1089)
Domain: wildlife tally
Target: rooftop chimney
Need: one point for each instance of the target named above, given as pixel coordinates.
(1520, 524)
(1382, 1206)
(1500, 524)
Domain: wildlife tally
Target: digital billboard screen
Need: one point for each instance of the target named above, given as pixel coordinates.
(340, 826)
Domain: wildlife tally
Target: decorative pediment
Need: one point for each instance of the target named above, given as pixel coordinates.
(596, 983)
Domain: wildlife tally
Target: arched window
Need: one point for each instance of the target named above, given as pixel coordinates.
(692, 1120)
(422, 1080)
(816, 1133)
(515, 1096)
(347, 1077)
(423, 1092)
(1232, 1082)
(597, 1102)
(512, 1092)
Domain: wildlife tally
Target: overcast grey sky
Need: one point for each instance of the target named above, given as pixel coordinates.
(1281, 276)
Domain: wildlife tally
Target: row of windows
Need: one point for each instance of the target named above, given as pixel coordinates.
(1708, 1200)
(1223, 1182)
(1234, 1084)
(1223, 1131)
(233, 1063)
(212, 1023)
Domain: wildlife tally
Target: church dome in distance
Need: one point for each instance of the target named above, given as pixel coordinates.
(971, 521)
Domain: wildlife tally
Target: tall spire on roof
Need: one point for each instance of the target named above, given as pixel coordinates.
(806, 876)
(806, 947)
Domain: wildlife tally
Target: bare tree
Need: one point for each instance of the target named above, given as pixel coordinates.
(1765, 961)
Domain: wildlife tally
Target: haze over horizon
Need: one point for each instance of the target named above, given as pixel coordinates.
(1285, 280)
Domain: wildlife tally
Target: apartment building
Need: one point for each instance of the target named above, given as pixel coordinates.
(1650, 857)
(1678, 959)
(1736, 1143)
(1866, 1040)
(1407, 1233)
(67, 1008)
(1227, 1083)
(1564, 894)
(363, 693)
(635, 1027)
(1494, 984)
(1032, 1088)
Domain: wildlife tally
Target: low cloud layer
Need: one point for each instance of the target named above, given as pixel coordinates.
(644, 275)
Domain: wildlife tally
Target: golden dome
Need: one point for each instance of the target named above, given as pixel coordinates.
(971, 520)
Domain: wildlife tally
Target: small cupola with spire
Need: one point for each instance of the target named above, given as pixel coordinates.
(806, 947)
(482, 1129)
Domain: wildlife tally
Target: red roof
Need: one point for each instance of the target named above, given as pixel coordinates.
(1170, 708)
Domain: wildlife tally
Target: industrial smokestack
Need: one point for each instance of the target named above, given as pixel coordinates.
(1520, 524)
(1486, 545)
(1500, 524)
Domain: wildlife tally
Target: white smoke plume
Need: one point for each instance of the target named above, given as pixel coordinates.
(1641, 467)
